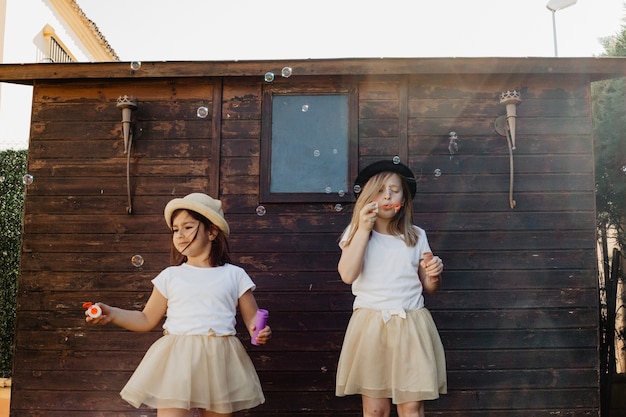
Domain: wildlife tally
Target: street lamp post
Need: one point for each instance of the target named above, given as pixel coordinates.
(553, 6)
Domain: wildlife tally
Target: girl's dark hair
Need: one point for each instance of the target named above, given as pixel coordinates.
(219, 254)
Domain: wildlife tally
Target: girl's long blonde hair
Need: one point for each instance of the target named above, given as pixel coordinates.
(401, 224)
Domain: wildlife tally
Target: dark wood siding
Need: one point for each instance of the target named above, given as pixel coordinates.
(518, 309)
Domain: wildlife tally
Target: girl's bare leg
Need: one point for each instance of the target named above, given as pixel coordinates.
(180, 412)
(174, 412)
(411, 409)
(376, 407)
(207, 413)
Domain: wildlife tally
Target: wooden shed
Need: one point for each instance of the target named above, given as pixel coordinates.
(280, 142)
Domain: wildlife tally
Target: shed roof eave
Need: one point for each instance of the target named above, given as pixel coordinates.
(595, 68)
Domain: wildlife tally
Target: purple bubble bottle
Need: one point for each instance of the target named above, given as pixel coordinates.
(261, 321)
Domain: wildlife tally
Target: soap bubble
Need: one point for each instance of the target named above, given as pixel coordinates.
(135, 65)
(341, 193)
(305, 108)
(396, 159)
(316, 153)
(286, 72)
(137, 261)
(260, 211)
(338, 207)
(357, 189)
(27, 179)
(328, 190)
(324, 369)
(437, 172)
(202, 112)
(269, 77)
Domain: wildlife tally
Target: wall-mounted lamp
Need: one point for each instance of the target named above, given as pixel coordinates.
(510, 99)
(505, 126)
(127, 104)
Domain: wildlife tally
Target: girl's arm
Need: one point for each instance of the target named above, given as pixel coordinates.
(351, 261)
(248, 308)
(137, 321)
(430, 273)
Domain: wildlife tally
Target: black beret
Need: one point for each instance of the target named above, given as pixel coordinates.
(385, 166)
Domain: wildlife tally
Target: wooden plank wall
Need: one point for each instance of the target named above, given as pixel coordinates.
(518, 309)
(518, 313)
(79, 240)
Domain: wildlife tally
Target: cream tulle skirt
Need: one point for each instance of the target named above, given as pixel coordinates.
(205, 372)
(402, 359)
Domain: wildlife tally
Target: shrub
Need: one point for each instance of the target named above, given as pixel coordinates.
(12, 171)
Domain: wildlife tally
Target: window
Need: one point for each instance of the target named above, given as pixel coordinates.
(308, 144)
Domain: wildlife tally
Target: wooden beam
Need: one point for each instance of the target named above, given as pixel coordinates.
(593, 68)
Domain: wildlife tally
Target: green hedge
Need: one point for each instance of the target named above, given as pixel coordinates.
(12, 171)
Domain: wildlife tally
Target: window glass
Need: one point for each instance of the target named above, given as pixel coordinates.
(309, 144)
(309, 141)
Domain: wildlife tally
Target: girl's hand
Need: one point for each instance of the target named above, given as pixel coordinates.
(105, 318)
(264, 335)
(432, 267)
(367, 216)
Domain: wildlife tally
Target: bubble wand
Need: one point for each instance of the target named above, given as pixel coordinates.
(93, 310)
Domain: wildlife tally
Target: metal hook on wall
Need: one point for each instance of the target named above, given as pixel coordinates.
(127, 104)
(505, 126)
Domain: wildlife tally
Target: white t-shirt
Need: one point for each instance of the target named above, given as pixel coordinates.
(202, 300)
(389, 279)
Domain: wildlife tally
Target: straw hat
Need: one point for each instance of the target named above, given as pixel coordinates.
(201, 204)
(386, 166)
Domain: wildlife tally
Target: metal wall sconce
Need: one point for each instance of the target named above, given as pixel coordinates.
(505, 126)
(127, 104)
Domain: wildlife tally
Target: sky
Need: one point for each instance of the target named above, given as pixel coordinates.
(206, 30)
(253, 29)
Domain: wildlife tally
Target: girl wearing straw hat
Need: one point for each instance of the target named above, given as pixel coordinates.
(391, 352)
(199, 363)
